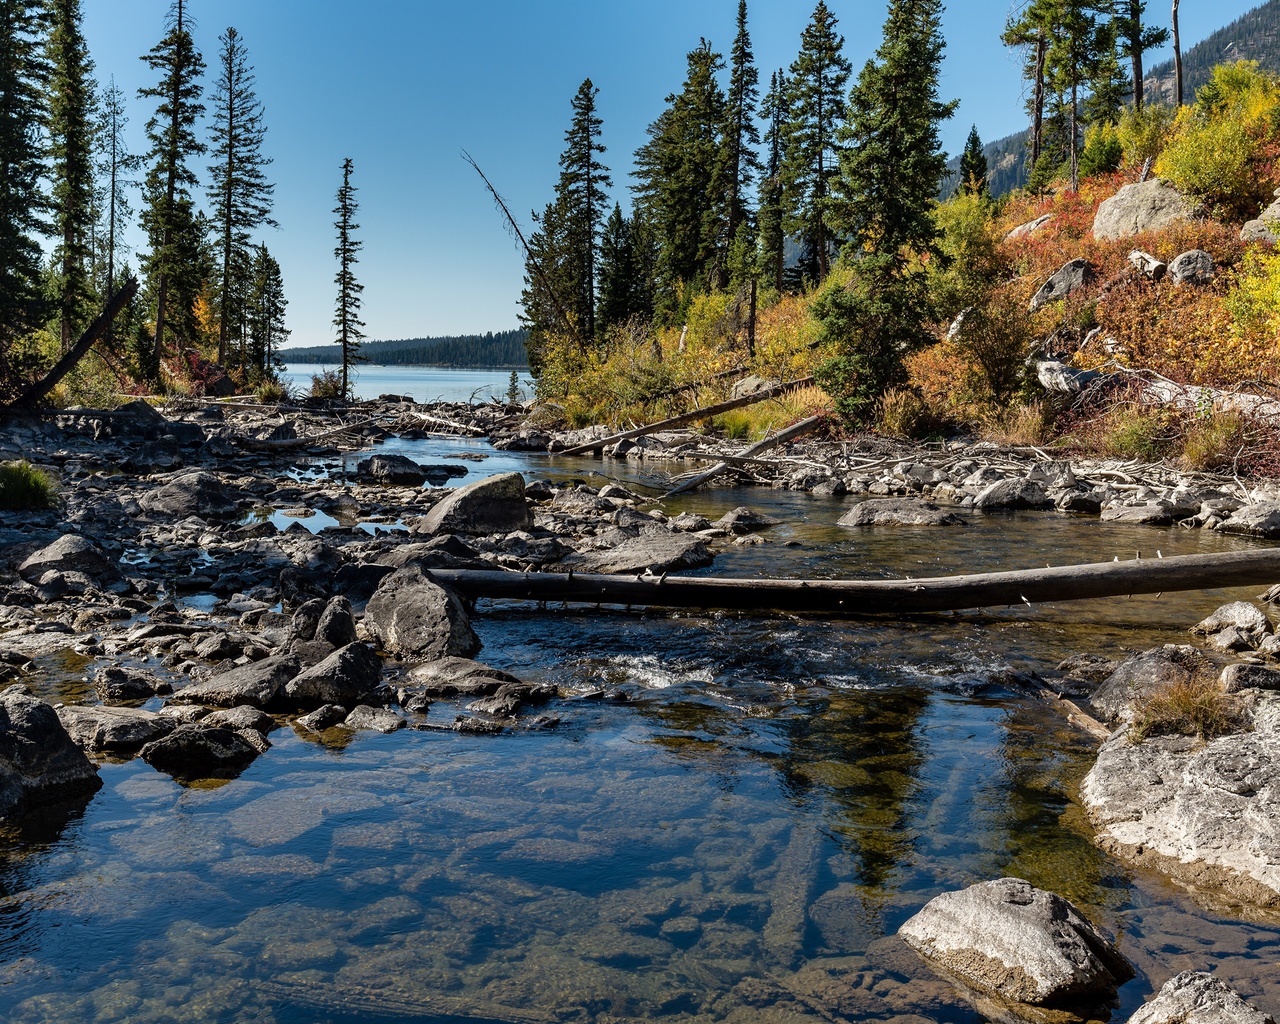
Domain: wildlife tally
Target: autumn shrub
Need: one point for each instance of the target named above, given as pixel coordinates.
(1023, 423)
(1143, 132)
(271, 391)
(327, 386)
(1193, 707)
(972, 261)
(24, 487)
(901, 412)
(759, 421)
(1137, 432)
(785, 339)
(1213, 441)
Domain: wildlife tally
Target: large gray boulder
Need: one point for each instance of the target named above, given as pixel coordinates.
(1008, 938)
(1071, 277)
(113, 730)
(342, 678)
(1261, 519)
(412, 617)
(70, 553)
(256, 684)
(198, 751)
(1142, 674)
(496, 504)
(198, 494)
(1194, 997)
(395, 470)
(39, 762)
(1205, 813)
(1012, 493)
(899, 512)
(1142, 206)
(1265, 227)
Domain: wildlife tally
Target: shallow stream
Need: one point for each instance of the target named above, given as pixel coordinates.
(739, 840)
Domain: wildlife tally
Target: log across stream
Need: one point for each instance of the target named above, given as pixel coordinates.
(872, 597)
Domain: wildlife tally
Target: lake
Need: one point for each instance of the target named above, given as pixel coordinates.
(422, 383)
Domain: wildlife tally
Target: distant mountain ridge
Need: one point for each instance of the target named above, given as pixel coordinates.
(1255, 35)
(492, 350)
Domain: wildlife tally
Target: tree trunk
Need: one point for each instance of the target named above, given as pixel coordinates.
(782, 437)
(1177, 58)
(1037, 112)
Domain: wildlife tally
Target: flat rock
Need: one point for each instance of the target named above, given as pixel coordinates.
(1142, 674)
(1194, 997)
(1150, 514)
(100, 730)
(899, 512)
(1070, 277)
(1021, 943)
(198, 494)
(70, 553)
(1249, 677)
(496, 504)
(240, 718)
(452, 677)
(39, 762)
(341, 678)
(745, 520)
(199, 751)
(654, 553)
(256, 684)
(395, 470)
(412, 617)
(1260, 519)
(1142, 206)
(1029, 228)
(1012, 493)
(117, 684)
(376, 719)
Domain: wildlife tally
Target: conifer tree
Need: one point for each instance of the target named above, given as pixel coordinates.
(346, 316)
(772, 238)
(115, 163)
(614, 304)
(818, 79)
(22, 202)
(174, 231)
(266, 313)
(1031, 30)
(240, 194)
(581, 196)
(973, 167)
(547, 286)
(741, 136)
(1136, 39)
(71, 101)
(1078, 42)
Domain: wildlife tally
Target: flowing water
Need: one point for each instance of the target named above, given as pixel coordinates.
(738, 839)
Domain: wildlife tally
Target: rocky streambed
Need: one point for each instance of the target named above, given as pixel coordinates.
(207, 599)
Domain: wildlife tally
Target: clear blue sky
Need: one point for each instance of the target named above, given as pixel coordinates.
(402, 86)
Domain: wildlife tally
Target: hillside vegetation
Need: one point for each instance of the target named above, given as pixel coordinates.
(494, 349)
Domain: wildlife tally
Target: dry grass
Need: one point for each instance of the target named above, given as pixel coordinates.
(1197, 707)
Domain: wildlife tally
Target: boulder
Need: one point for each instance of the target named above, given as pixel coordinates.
(242, 718)
(653, 552)
(305, 619)
(1265, 227)
(393, 470)
(1142, 674)
(1194, 997)
(1249, 677)
(336, 625)
(458, 677)
(899, 512)
(323, 718)
(70, 553)
(115, 684)
(1012, 493)
(745, 520)
(1248, 618)
(341, 678)
(493, 505)
(1008, 938)
(1071, 277)
(1029, 228)
(256, 684)
(1142, 206)
(1151, 513)
(1195, 266)
(198, 494)
(198, 751)
(377, 719)
(1260, 519)
(412, 617)
(39, 762)
(113, 730)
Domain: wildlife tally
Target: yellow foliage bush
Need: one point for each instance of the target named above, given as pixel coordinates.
(1143, 133)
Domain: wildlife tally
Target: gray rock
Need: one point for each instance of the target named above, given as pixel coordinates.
(242, 718)
(1142, 674)
(70, 553)
(323, 718)
(412, 617)
(256, 684)
(1012, 493)
(745, 520)
(1265, 227)
(198, 494)
(1029, 228)
(454, 677)
(305, 620)
(655, 552)
(1194, 997)
(1153, 513)
(342, 678)
(1249, 677)
(1246, 617)
(395, 470)
(113, 730)
(493, 505)
(1261, 519)
(198, 751)
(39, 762)
(1021, 943)
(899, 512)
(378, 719)
(1195, 266)
(1142, 206)
(336, 625)
(115, 684)
(1071, 277)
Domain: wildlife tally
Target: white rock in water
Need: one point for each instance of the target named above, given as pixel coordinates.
(1194, 997)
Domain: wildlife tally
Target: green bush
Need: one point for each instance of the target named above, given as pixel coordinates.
(1102, 151)
(23, 487)
(327, 386)
(1142, 134)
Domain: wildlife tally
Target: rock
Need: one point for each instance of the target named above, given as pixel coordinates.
(242, 718)
(412, 617)
(1249, 677)
(656, 552)
(1150, 514)
(744, 520)
(113, 730)
(1205, 813)
(198, 494)
(342, 678)
(256, 684)
(748, 386)
(1142, 206)
(1265, 227)
(198, 751)
(1195, 266)
(454, 677)
(1029, 228)
(323, 718)
(1089, 668)
(691, 522)
(305, 620)
(1012, 493)
(1260, 519)
(1021, 943)
(378, 719)
(39, 762)
(358, 582)
(1246, 617)
(336, 625)
(1194, 997)
(1070, 277)
(493, 505)
(115, 684)
(393, 470)
(899, 512)
(70, 553)
(1143, 674)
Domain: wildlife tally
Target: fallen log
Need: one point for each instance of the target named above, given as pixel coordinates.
(782, 437)
(692, 417)
(269, 444)
(876, 597)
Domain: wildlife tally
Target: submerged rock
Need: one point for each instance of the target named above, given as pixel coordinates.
(199, 751)
(899, 512)
(39, 762)
(1194, 997)
(1018, 942)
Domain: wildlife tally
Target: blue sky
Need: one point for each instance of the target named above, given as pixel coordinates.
(402, 86)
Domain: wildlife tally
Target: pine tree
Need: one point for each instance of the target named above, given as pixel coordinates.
(581, 196)
(614, 304)
(818, 79)
(543, 313)
(346, 316)
(265, 313)
(1078, 41)
(22, 202)
(174, 231)
(973, 167)
(240, 194)
(741, 137)
(114, 164)
(71, 101)
(1136, 39)
(1030, 31)
(772, 238)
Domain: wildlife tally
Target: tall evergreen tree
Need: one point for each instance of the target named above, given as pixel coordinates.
(1030, 30)
(973, 167)
(547, 286)
(741, 136)
(819, 76)
(22, 202)
(115, 163)
(346, 315)
(614, 304)
(772, 237)
(71, 101)
(1136, 39)
(169, 216)
(1078, 42)
(582, 197)
(265, 313)
(240, 194)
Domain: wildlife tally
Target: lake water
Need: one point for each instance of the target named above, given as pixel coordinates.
(422, 383)
(737, 840)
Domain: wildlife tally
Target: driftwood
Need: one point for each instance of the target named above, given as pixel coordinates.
(273, 444)
(470, 430)
(80, 349)
(782, 437)
(692, 417)
(890, 597)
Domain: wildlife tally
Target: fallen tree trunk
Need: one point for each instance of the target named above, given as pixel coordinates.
(270, 444)
(782, 437)
(874, 597)
(692, 417)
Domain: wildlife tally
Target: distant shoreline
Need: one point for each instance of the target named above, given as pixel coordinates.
(427, 366)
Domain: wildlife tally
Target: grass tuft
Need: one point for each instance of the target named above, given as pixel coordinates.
(23, 487)
(1195, 707)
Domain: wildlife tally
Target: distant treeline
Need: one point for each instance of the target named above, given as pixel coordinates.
(500, 349)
